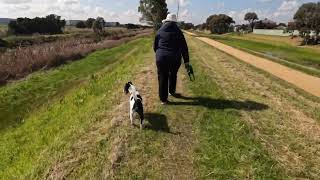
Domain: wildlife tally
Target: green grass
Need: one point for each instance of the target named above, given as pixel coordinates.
(37, 128)
(19, 99)
(303, 59)
(228, 148)
(224, 146)
(265, 124)
(55, 108)
(3, 27)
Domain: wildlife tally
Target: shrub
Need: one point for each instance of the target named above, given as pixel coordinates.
(81, 25)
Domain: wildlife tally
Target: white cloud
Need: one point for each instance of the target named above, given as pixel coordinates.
(283, 13)
(120, 11)
(286, 10)
(68, 9)
(14, 1)
(183, 3)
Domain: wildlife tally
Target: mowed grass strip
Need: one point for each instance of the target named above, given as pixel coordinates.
(50, 130)
(303, 59)
(19, 99)
(227, 146)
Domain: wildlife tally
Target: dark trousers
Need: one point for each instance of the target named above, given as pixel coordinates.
(168, 67)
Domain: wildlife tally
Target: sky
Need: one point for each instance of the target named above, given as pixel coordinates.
(125, 11)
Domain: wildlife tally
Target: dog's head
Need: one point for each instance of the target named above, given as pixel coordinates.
(126, 87)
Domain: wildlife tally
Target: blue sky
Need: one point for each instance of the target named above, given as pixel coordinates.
(125, 11)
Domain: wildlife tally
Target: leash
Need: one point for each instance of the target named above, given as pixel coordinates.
(190, 72)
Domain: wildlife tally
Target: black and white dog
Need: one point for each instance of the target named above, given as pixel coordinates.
(136, 105)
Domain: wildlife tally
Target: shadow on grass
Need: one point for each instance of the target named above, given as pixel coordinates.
(158, 122)
(219, 103)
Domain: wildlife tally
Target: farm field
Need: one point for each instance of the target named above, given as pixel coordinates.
(282, 51)
(3, 30)
(229, 124)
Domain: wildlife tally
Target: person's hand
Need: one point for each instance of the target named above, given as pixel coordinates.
(186, 65)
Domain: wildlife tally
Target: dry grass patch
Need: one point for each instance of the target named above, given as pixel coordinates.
(18, 63)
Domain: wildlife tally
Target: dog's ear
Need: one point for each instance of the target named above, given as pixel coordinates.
(126, 88)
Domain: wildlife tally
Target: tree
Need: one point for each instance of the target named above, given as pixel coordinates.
(51, 24)
(251, 17)
(185, 26)
(219, 24)
(265, 24)
(89, 22)
(153, 12)
(307, 19)
(132, 26)
(81, 24)
(201, 27)
(292, 26)
(282, 24)
(98, 25)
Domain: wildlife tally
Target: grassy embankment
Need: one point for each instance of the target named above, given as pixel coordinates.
(42, 115)
(51, 119)
(303, 59)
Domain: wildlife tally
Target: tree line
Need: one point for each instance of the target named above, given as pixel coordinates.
(306, 21)
(51, 24)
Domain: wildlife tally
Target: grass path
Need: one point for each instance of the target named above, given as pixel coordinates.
(229, 124)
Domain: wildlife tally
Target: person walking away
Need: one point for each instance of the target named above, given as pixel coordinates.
(170, 46)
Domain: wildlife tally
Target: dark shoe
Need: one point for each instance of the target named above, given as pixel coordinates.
(176, 95)
(165, 102)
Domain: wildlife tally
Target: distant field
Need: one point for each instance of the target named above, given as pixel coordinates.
(272, 39)
(280, 50)
(3, 30)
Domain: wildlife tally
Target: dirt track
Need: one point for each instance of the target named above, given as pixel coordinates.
(301, 80)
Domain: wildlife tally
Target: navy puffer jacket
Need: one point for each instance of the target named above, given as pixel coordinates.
(170, 41)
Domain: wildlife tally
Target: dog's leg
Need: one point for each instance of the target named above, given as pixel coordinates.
(141, 124)
(131, 116)
(141, 119)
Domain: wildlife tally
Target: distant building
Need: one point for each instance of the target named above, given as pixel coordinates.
(272, 32)
(282, 27)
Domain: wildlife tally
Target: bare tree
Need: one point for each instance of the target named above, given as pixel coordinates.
(251, 17)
